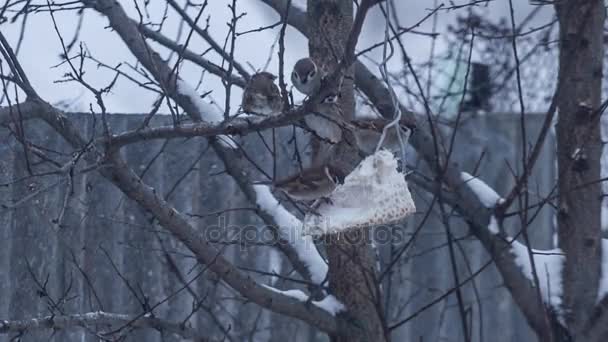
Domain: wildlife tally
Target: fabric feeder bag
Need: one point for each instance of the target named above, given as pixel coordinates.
(374, 193)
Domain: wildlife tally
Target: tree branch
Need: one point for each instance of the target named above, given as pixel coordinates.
(129, 33)
(190, 55)
(98, 318)
(125, 179)
(129, 183)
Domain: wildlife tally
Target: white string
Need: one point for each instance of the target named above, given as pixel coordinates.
(386, 56)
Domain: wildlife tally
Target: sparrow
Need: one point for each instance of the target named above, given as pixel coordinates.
(323, 121)
(311, 184)
(306, 77)
(262, 96)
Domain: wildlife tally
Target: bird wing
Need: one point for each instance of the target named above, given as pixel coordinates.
(272, 91)
(308, 177)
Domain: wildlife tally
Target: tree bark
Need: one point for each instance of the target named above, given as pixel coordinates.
(350, 255)
(579, 151)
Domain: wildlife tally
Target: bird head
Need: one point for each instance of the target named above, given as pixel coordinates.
(264, 75)
(304, 71)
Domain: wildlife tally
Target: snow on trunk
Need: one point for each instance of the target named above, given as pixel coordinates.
(290, 229)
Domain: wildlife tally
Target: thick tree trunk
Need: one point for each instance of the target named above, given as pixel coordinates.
(579, 150)
(351, 256)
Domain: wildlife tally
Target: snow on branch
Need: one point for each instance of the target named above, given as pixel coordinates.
(330, 303)
(290, 229)
(493, 225)
(487, 196)
(548, 264)
(208, 112)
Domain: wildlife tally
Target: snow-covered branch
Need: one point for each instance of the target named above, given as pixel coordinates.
(330, 303)
(487, 196)
(548, 265)
(179, 226)
(291, 231)
(208, 112)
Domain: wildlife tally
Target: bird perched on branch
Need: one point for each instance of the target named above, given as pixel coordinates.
(311, 184)
(306, 76)
(323, 122)
(262, 96)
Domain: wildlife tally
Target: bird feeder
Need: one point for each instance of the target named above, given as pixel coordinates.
(375, 193)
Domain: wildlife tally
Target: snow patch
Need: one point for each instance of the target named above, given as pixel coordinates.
(330, 303)
(374, 193)
(208, 112)
(603, 286)
(549, 265)
(488, 197)
(299, 4)
(290, 229)
(297, 294)
(274, 263)
(493, 225)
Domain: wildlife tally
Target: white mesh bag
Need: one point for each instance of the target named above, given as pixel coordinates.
(374, 193)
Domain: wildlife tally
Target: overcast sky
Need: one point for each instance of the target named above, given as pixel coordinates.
(41, 48)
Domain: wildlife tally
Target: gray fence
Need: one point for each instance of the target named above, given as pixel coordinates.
(107, 254)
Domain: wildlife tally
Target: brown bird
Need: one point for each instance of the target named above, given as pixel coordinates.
(311, 184)
(262, 96)
(307, 78)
